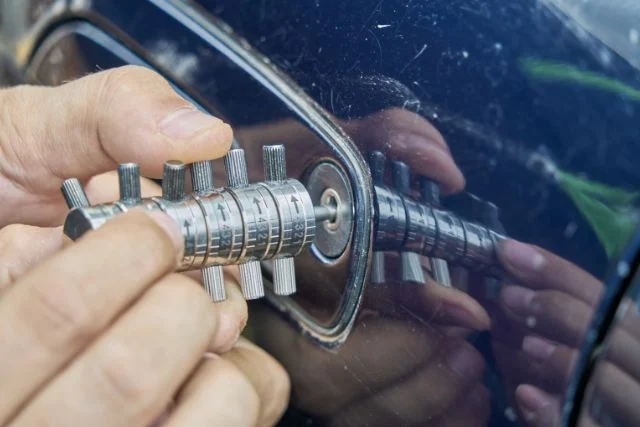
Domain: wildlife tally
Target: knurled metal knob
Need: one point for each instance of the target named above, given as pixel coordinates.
(173, 180)
(129, 183)
(74, 194)
(235, 164)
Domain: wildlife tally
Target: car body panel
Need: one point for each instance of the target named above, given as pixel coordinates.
(538, 103)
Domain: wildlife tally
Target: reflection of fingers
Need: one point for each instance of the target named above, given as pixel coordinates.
(539, 362)
(268, 377)
(394, 121)
(473, 410)
(556, 361)
(428, 159)
(410, 138)
(540, 269)
(431, 303)
(630, 317)
(618, 393)
(22, 247)
(413, 400)
(324, 381)
(623, 349)
(539, 408)
(505, 330)
(437, 304)
(552, 314)
(218, 393)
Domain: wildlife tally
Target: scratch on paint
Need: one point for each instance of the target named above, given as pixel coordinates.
(422, 50)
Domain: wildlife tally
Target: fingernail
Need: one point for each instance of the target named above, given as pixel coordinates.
(522, 257)
(531, 400)
(537, 348)
(170, 227)
(186, 122)
(517, 298)
(462, 317)
(462, 360)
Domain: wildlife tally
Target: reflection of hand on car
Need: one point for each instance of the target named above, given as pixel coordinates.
(540, 326)
(399, 134)
(389, 372)
(406, 361)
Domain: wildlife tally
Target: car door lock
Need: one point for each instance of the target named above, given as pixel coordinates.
(277, 219)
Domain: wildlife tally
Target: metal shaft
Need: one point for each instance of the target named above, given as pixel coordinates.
(74, 194)
(129, 183)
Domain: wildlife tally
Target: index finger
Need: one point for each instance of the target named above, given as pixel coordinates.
(537, 268)
(58, 308)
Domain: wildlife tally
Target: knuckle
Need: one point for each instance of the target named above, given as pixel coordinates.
(125, 380)
(61, 314)
(230, 326)
(187, 296)
(128, 82)
(128, 78)
(12, 243)
(545, 301)
(464, 361)
(12, 237)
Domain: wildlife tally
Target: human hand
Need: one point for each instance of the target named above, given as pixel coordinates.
(88, 126)
(135, 338)
(541, 324)
(81, 129)
(115, 352)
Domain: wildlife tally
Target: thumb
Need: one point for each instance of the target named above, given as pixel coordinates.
(86, 127)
